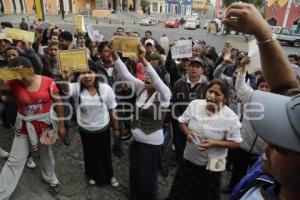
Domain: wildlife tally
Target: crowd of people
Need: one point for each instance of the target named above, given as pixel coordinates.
(218, 115)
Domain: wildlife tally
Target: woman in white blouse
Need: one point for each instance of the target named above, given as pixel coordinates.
(153, 97)
(95, 108)
(211, 128)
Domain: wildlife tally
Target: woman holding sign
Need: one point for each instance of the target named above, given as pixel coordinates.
(153, 99)
(36, 123)
(95, 102)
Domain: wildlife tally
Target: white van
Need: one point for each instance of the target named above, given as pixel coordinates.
(192, 23)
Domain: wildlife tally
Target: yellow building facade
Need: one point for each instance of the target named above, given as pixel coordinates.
(54, 7)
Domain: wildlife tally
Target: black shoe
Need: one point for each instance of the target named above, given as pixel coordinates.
(227, 189)
(117, 150)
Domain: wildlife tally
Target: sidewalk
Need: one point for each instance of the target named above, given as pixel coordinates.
(70, 172)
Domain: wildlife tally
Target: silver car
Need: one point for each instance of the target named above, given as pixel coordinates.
(149, 21)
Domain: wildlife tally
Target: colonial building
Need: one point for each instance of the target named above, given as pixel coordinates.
(179, 7)
(201, 7)
(158, 6)
(54, 7)
(284, 13)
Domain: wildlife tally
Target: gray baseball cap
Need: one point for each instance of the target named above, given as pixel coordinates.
(279, 121)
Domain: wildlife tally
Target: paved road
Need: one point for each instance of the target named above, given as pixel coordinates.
(108, 29)
(70, 171)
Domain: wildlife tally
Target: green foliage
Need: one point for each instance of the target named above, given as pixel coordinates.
(257, 3)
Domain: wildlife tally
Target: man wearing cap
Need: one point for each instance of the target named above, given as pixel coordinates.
(150, 48)
(276, 174)
(186, 90)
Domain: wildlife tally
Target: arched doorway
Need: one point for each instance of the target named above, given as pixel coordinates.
(272, 21)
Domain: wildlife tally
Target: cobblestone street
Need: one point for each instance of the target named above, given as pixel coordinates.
(70, 171)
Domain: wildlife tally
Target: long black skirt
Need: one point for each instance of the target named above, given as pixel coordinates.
(143, 172)
(97, 155)
(193, 182)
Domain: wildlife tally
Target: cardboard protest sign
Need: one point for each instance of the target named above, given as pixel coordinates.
(15, 73)
(19, 34)
(94, 35)
(182, 49)
(79, 23)
(253, 53)
(73, 60)
(126, 45)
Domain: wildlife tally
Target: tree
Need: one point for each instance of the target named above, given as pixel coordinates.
(145, 4)
(258, 3)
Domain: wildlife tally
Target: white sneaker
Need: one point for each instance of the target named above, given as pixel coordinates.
(3, 153)
(30, 163)
(92, 182)
(114, 182)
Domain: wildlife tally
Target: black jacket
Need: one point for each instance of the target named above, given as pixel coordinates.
(184, 94)
(175, 72)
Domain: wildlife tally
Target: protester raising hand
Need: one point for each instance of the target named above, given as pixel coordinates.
(246, 18)
(245, 61)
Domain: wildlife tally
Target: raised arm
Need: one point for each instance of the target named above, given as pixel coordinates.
(243, 90)
(158, 84)
(126, 75)
(246, 18)
(218, 73)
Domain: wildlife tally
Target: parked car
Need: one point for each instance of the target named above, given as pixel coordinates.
(190, 24)
(286, 35)
(172, 23)
(149, 21)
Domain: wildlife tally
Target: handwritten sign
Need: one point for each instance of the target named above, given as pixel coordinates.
(15, 73)
(182, 49)
(253, 53)
(79, 23)
(94, 35)
(19, 34)
(126, 45)
(73, 60)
